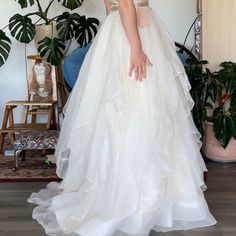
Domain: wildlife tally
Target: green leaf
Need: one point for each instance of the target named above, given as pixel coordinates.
(232, 126)
(208, 105)
(25, 3)
(5, 47)
(234, 122)
(233, 99)
(85, 30)
(205, 93)
(66, 24)
(227, 76)
(53, 49)
(22, 28)
(198, 116)
(229, 86)
(71, 4)
(218, 122)
(224, 133)
(229, 132)
(224, 126)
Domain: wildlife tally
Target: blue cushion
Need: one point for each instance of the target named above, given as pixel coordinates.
(72, 64)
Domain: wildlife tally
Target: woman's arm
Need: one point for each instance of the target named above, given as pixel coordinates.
(139, 60)
(108, 6)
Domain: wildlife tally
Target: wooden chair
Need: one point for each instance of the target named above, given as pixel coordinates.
(33, 106)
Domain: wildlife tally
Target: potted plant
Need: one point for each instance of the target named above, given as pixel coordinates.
(69, 26)
(214, 113)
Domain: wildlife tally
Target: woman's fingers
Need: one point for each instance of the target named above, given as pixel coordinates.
(144, 71)
(140, 73)
(131, 70)
(148, 62)
(138, 67)
(144, 67)
(136, 73)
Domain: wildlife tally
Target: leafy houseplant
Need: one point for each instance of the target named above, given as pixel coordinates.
(69, 26)
(215, 99)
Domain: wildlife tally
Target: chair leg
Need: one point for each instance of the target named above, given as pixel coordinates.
(16, 155)
(50, 112)
(23, 155)
(2, 136)
(33, 119)
(54, 118)
(11, 125)
(57, 122)
(4, 125)
(25, 114)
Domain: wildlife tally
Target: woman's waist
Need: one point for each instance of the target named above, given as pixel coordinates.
(115, 7)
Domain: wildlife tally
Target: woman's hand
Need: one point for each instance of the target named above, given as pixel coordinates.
(139, 60)
(138, 63)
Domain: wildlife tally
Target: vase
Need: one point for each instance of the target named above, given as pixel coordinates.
(213, 150)
(43, 31)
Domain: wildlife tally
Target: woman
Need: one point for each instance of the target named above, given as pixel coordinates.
(128, 152)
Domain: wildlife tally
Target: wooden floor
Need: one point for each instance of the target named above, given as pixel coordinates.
(15, 212)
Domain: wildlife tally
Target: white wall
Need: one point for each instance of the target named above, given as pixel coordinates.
(176, 14)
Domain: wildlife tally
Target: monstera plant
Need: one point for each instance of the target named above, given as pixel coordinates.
(69, 25)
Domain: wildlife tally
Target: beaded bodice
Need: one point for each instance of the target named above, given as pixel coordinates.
(137, 2)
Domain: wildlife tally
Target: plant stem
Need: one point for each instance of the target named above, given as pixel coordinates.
(39, 6)
(39, 14)
(44, 17)
(48, 7)
(5, 27)
(37, 21)
(55, 17)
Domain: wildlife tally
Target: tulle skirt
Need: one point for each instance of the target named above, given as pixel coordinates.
(128, 151)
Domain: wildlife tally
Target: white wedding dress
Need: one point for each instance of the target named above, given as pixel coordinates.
(128, 152)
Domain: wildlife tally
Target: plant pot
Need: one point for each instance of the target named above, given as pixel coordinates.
(43, 31)
(213, 150)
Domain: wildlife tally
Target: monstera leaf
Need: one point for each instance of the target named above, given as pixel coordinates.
(5, 47)
(85, 30)
(71, 4)
(22, 28)
(66, 24)
(52, 49)
(25, 3)
(69, 26)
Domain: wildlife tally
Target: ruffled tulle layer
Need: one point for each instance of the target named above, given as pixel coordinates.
(128, 152)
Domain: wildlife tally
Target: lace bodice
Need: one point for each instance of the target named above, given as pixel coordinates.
(116, 2)
(142, 17)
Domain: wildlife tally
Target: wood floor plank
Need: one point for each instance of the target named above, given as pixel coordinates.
(16, 220)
